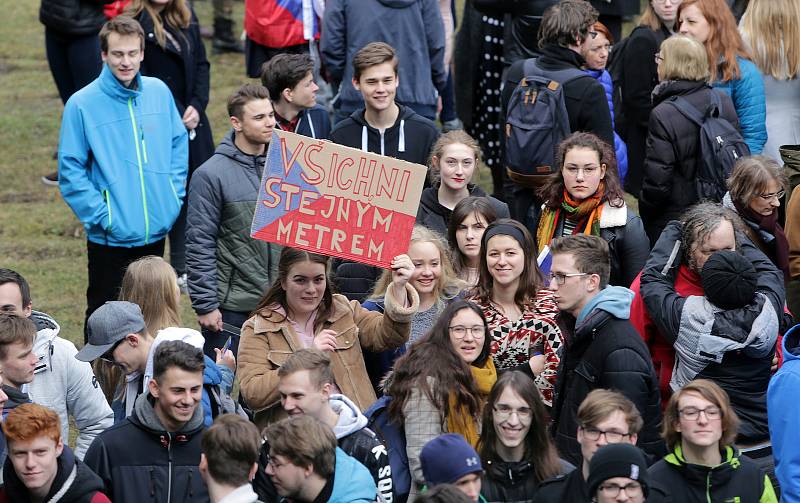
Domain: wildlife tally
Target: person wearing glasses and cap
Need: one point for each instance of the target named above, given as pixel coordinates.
(618, 473)
(118, 334)
(603, 349)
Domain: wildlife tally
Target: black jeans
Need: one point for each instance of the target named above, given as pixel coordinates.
(107, 265)
(218, 339)
(74, 60)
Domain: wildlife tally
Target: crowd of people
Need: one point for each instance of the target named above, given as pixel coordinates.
(613, 322)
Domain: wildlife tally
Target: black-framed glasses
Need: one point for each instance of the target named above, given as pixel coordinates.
(460, 331)
(693, 413)
(561, 277)
(612, 437)
(273, 462)
(612, 490)
(502, 412)
(772, 195)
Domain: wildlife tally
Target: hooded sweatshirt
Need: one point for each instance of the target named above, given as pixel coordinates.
(784, 417)
(139, 460)
(410, 138)
(351, 482)
(74, 483)
(436, 217)
(66, 385)
(604, 352)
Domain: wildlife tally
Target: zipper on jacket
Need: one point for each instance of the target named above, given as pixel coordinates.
(138, 136)
(381, 133)
(175, 193)
(169, 468)
(108, 205)
(708, 486)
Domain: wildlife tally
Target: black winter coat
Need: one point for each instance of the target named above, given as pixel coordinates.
(514, 481)
(73, 17)
(605, 352)
(584, 97)
(436, 217)
(186, 71)
(673, 149)
(571, 488)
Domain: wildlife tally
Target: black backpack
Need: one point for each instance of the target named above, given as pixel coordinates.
(721, 145)
(394, 437)
(536, 122)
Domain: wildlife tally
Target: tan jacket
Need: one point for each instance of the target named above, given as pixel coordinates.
(268, 340)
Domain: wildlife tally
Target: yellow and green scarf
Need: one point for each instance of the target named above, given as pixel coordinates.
(585, 213)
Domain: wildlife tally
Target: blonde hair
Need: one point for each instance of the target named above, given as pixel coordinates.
(772, 30)
(445, 140)
(151, 283)
(650, 18)
(448, 285)
(176, 13)
(684, 58)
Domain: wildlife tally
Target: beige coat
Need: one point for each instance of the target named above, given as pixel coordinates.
(268, 340)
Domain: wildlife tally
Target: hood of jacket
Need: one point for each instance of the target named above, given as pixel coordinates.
(187, 335)
(615, 300)
(74, 480)
(404, 114)
(791, 344)
(114, 88)
(705, 475)
(397, 4)
(144, 416)
(670, 88)
(350, 418)
(228, 148)
(47, 329)
(353, 482)
(15, 398)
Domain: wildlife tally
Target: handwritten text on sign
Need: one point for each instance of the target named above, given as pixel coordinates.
(335, 200)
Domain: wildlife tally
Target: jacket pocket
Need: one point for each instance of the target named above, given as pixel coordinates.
(587, 372)
(348, 347)
(277, 358)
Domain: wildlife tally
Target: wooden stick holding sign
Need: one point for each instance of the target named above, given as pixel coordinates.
(339, 201)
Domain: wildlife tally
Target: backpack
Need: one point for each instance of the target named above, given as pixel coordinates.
(721, 145)
(394, 437)
(223, 403)
(536, 122)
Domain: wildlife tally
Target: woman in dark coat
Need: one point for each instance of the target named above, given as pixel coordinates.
(175, 54)
(671, 162)
(639, 78)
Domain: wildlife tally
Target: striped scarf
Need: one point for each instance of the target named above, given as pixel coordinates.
(585, 213)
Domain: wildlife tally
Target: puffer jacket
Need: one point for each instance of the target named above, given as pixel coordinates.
(66, 385)
(627, 242)
(620, 149)
(268, 339)
(436, 217)
(227, 268)
(744, 374)
(413, 27)
(73, 17)
(737, 478)
(673, 150)
(747, 93)
(605, 352)
(512, 481)
(140, 461)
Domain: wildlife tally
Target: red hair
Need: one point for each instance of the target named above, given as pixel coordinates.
(29, 421)
(603, 30)
(724, 41)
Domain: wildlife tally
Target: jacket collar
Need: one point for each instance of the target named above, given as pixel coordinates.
(270, 320)
(700, 474)
(613, 216)
(113, 88)
(670, 88)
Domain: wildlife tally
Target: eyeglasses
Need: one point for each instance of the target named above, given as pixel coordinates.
(612, 437)
(561, 277)
(659, 59)
(693, 413)
(460, 331)
(612, 490)
(272, 461)
(772, 195)
(502, 412)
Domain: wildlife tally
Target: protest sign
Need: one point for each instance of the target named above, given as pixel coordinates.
(339, 201)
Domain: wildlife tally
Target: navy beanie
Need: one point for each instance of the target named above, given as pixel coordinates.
(447, 458)
(618, 460)
(729, 280)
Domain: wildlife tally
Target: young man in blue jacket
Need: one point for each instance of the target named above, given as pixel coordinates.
(122, 161)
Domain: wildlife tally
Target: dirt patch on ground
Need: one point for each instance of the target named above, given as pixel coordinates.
(24, 197)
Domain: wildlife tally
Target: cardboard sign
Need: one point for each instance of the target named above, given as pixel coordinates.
(339, 201)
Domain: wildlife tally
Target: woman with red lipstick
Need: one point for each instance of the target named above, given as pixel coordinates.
(515, 448)
(441, 384)
(454, 161)
(520, 311)
(468, 222)
(699, 428)
(585, 197)
(300, 311)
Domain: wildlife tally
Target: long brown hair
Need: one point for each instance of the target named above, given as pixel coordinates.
(176, 14)
(433, 357)
(150, 282)
(531, 279)
(539, 449)
(552, 192)
(277, 295)
(472, 205)
(772, 30)
(724, 42)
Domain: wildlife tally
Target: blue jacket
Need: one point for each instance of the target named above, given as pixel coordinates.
(353, 482)
(214, 375)
(620, 149)
(123, 160)
(784, 418)
(747, 94)
(413, 27)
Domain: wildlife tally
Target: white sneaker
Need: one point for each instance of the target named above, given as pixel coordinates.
(183, 284)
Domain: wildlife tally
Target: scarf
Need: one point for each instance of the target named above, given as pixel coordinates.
(778, 249)
(585, 213)
(458, 418)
